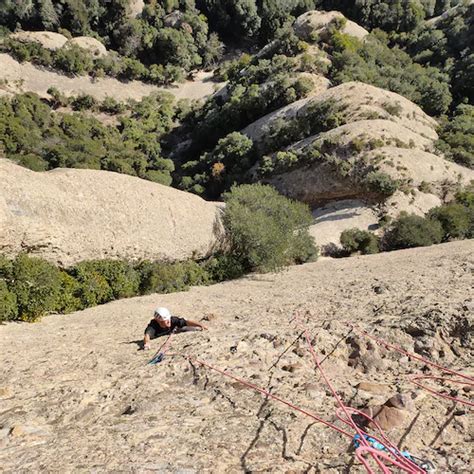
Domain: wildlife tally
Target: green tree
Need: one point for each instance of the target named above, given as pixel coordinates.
(374, 62)
(93, 287)
(8, 303)
(236, 19)
(48, 14)
(455, 220)
(456, 136)
(265, 230)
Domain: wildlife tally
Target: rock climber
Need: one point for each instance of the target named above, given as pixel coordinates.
(163, 323)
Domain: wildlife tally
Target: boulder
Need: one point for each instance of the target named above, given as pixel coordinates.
(354, 101)
(47, 39)
(317, 23)
(135, 8)
(94, 46)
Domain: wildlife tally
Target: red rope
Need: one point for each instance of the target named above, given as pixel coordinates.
(427, 362)
(269, 395)
(443, 395)
(401, 461)
(394, 457)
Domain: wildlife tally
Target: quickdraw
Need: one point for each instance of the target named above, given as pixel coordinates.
(424, 464)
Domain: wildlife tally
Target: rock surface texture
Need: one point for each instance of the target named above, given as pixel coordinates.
(317, 23)
(47, 39)
(78, 396)
(68, 215)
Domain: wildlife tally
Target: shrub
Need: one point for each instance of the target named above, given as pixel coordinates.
(8, 303)
(120, 276)
(223, 267)
(111, 106)
(83, 102)
(58, 99)
(357, 240)
(37, 285)
(161, 177)
(93, 287)
(455, 220)
(68, 301)
(456, 136)
(413, 231)
(73, 60)
(375, 62)
(170, 277)
(466, 196)
(381, 183)
(265, 230)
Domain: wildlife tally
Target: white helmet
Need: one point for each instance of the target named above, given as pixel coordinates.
(162, 313)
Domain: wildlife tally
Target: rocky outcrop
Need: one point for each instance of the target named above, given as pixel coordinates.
(68, 215)
(353, 101)
(92, 45)
(54, 41)
(26, 77)
(135, 8)
(47, 39)
(316, 24)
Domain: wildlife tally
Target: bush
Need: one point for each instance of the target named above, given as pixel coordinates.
(69, 300)
(37, 285)
(456, 136)
(111, 106)
(8, 303)
(375, 62)
(466, 196)
(73, 60)
(108, 279)
(170, 277)
(93, 287)
(381, 183)
(265, 230)
(83, 102)
(223, 267)
(58, 99)
(413, 231)
(357, 240)
(455, 220)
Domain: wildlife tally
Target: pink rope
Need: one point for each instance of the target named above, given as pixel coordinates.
(408, 466)
(416, 379)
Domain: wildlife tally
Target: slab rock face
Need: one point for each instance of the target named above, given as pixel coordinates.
(47, 39)
(354, 101)
(70, 215)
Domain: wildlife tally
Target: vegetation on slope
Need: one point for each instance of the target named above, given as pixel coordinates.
(451, 221)
(37, 137)
(264, 231)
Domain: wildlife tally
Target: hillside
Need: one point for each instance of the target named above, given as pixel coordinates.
(69, 215)
(21, 77)
(77, 396)
(325, 109)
